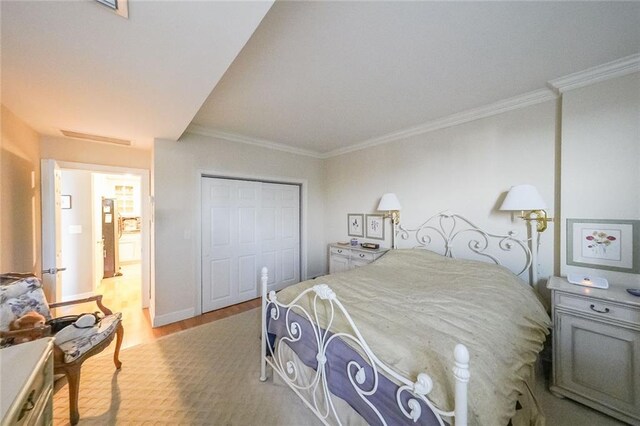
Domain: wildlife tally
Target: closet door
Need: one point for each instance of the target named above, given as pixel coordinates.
(280, 232)
(230, 242)
(247, 225)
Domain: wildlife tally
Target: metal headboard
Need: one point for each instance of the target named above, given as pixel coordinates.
(457, 237)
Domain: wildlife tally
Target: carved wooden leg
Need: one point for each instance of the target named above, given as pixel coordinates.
(119, 334)
(73, 377)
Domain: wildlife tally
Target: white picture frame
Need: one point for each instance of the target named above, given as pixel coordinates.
(355, 224)
(374, 226)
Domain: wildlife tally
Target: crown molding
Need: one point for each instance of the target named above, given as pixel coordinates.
(531, 98)
(263, 143)
(617, 68)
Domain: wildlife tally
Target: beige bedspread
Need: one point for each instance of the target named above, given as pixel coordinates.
(414, 306)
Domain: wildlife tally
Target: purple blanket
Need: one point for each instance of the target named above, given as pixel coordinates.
(339, 354)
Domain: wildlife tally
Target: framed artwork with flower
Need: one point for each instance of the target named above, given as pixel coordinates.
(375, 226)
(613, 245)
(355, 224)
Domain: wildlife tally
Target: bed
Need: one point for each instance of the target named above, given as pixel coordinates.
(416, 337)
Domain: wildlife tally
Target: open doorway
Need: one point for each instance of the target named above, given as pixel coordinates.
(104, 226)
(101, 223)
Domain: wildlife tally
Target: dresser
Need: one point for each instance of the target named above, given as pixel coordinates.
(596, 348)
(26, 375)
(344, 258)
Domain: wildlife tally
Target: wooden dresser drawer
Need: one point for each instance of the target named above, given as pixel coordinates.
(340, 251)
(598, 307)
(362, 255)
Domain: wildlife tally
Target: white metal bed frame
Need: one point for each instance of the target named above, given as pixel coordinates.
(444, 226)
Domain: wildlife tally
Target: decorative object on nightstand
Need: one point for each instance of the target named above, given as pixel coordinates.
(343, 258)
(389, 203)
(587, 280)
(596, 348)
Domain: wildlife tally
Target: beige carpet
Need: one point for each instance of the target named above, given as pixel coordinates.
(209, 375)
(205, 375)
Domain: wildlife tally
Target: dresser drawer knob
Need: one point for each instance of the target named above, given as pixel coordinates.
(361, 254)
(605, 311)
(339, 250)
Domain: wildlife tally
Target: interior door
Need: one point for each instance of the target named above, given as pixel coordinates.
(229, 242)
(96, 231)
(280, 231)
(51, 177)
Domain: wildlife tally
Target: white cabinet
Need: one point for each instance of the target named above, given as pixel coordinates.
(130, 248)
(26, 374)
(342, 258)
(596, 348)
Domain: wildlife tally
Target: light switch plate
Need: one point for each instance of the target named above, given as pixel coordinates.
(588, 281)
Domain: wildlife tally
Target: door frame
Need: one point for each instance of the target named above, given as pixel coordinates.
(147, 284)
(204, 173)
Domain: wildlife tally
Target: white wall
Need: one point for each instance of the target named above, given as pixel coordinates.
(176, 174)
(20, 228)
(601, 158)
(77, 245)
(465, 169)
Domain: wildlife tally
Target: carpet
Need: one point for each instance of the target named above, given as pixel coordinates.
(206, 375)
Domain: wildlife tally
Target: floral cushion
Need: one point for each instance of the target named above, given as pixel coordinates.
(75, 348)
(19, 296)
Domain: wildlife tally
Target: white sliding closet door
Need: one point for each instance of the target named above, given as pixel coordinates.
(247, 225)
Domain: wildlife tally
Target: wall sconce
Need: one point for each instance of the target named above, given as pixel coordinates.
(390, 204)
(526, 198)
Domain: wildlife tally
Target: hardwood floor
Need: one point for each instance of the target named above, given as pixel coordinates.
(122, 294)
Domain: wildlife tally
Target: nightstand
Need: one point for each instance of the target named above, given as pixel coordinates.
(343, 258)
(596, 348)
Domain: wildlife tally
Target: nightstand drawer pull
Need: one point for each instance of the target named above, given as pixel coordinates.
(339, 250)
(605, 311)
(361, 255)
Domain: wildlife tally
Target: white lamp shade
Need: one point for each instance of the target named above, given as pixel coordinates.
(389, 201)
(523, 197)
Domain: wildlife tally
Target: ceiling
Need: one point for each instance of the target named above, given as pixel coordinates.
(76, 65)
(321, 76)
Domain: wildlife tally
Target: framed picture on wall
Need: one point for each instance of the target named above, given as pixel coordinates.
(355, 224)
(374, 224)
(613, 245)
(65, 201)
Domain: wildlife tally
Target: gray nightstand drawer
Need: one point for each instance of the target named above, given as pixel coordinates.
(597, 307)
(340, 251)
(361, 255)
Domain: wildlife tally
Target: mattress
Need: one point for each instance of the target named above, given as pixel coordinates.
(413, 306)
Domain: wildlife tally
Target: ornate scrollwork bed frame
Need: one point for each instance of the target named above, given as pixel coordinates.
(450, 228)
(461, 239)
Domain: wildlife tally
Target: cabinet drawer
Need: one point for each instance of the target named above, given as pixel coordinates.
(39, 392)
(598, 307)
(363, 256)
(340, 251)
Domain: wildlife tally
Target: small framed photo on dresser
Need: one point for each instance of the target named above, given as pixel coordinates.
(375, 226)
(355, 224)
(608, 244)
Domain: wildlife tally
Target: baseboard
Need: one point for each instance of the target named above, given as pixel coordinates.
(77, 296)
(160, 320)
